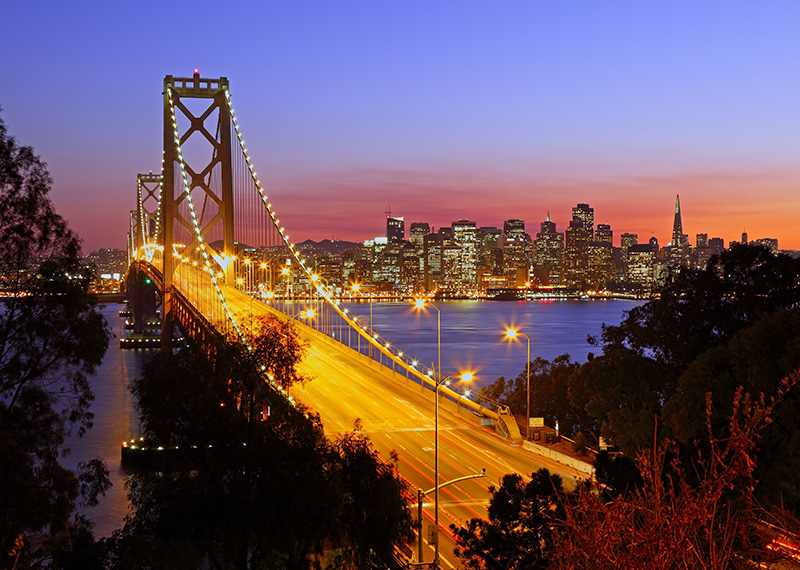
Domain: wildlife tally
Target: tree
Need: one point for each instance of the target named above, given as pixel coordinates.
(272, 359)
(756, 359)
(375, 512)
(52, 337)
(518, 534)
(620, 390)
(550, 382)
(616, 475)
(698, 309)
(647, 357)
(698, 513)
(264, 488)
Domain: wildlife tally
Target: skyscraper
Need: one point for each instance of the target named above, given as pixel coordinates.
(604, 233)
(515, 251)
(465, 236)
(417, 235)
(395, 230)
(601, 257)
(585, 214)
(628, 239)
(640, 265)
(576, 253)
(432, 252)
(547, 226)
(680, 250)
(549, 250)
(490, 256)
(677, 225)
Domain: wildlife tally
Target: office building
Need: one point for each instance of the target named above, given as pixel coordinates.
(585, 214)
(395, 230)
(465, 236)
(516, 248)
(548, 253)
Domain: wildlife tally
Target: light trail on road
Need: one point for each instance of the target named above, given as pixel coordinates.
(398, 417)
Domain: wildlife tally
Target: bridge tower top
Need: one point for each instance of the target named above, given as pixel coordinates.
(148, 198)
(197, 170)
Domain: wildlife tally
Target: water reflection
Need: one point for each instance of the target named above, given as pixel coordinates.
(473, 332)
(115, 421)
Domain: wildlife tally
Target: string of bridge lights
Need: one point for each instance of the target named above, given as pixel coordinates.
(196, 224)
(370, 335)
(323, 291)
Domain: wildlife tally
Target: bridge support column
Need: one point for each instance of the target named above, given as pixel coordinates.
(212, 179)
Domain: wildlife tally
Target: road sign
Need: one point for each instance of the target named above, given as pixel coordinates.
(536, 422)
(433, 536)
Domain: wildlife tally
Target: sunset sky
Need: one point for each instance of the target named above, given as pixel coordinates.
(443, 109)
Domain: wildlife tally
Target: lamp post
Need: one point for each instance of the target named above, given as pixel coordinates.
(356, 289)
(466, 377)
(420, 304)
(307, 314)
(512, 333)
(287, 289)
(421, 494)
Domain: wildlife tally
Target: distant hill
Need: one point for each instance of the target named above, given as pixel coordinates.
(108, 260)
(324, 247)
(331, 247)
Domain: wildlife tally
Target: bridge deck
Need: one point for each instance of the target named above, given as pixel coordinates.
(398, 416)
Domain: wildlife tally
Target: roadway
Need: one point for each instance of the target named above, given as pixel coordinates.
(397, 415)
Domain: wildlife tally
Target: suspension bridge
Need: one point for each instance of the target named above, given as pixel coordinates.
(208, 252)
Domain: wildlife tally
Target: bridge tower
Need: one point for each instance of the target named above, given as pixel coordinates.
(189, 103)
(133, 223)
(148, 194)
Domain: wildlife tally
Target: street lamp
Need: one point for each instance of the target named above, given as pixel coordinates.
(465, 377)
(420, 304)
(307, 314)
(512, 333)
(356, 289)
(421, 494)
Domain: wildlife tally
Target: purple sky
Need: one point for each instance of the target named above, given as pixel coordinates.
(444, 110)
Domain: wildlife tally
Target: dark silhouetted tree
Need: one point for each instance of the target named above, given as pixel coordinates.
(518, 534)
(52, 337)
(268, 490)
(550, 382)
(697, 513)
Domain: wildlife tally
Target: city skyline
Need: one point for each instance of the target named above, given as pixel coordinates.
(446, 113)
(532, 227)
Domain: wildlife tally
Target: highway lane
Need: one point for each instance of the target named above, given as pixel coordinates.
(398, 417)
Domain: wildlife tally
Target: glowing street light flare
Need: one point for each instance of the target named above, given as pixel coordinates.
(512, 334)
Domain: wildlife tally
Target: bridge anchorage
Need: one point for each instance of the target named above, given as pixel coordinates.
(206, 236)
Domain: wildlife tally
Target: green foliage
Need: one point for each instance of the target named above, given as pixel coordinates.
(374, 513)
(756, 359)
(663, 510)
(519, 531)
(616, 476)
(184, 399)
(670, 512)
(52, 337)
